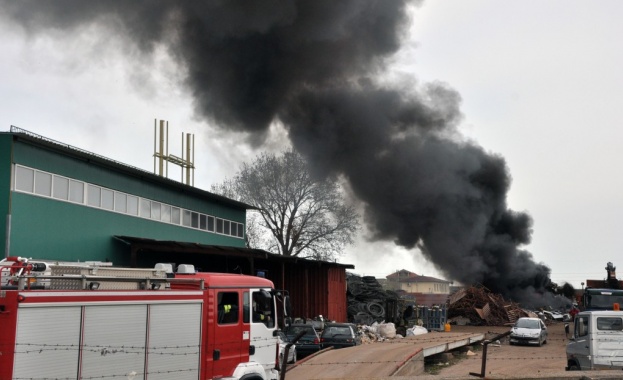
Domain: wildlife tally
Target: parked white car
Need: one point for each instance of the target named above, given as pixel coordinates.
(529, 331)
(283, 341)
(554, 315)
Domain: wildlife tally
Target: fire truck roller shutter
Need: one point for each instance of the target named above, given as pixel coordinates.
(122, 330)
(47, 341)
(114, 338)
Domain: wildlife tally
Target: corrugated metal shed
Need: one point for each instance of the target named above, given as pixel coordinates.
(316, 287)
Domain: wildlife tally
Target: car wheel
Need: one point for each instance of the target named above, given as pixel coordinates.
(540, 342)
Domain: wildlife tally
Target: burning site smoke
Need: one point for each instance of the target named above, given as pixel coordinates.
(317, 67)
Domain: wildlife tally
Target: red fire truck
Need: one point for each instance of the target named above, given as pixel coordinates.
(89, 321)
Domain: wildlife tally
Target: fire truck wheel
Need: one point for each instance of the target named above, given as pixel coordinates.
(250, 377)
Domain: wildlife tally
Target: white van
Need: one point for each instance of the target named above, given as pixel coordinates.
(597, 341)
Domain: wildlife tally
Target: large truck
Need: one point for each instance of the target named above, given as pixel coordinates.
(88, 321)
(602, 294)
(597, 341)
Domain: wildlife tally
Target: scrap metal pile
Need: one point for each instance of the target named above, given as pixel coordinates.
(368, 302)
(477, 305)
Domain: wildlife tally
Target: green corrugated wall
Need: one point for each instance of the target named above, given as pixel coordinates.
(46, 228)
(5, 186)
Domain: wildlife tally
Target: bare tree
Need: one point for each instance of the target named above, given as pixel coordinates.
(307, 217)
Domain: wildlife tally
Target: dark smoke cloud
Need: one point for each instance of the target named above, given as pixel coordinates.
(421, 183)
(315, 66)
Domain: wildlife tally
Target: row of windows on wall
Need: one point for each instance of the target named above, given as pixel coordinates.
(54, 186)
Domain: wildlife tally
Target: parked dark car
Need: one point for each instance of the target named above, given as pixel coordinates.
(308, 343)
(339, 335)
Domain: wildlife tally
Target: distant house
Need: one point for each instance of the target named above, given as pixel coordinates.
(427, 291)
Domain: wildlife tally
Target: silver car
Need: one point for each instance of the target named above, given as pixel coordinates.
(529, 331)
(283, 340)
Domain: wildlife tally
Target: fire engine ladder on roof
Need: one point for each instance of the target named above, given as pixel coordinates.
(85, 282)
(85, 277)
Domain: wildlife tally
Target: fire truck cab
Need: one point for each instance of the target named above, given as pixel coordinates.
(89, 321)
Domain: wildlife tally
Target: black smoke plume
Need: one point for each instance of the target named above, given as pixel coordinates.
(317, 66)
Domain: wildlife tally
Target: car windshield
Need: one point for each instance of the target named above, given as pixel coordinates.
(336, 331)
(528, 324)
(294, 330)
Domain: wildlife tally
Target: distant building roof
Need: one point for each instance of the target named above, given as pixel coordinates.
(399, 274)
(404, 275)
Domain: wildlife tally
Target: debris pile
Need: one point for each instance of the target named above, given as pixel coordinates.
(378, 332)
(482, 307)
(367, 300)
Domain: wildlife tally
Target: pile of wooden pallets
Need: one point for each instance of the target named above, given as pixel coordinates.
(482, 307)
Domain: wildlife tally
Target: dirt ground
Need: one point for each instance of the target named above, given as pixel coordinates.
(514, 362)
(503, 360)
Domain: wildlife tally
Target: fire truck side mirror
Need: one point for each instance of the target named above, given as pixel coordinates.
(287, 306)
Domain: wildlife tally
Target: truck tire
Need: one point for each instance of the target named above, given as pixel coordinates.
(375, 309)
(573, 366)
(250, 377)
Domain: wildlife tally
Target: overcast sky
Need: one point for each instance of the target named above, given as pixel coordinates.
(540, 83)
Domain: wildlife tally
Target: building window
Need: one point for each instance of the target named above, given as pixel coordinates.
(234, 226)
(194, 220)
(145, 208)
(121, 202)
(94, 196)
(24, 179)
(155, 210)
(186, 218)
(60, 188)
(107, 199)
(76, 192)
(166, 213)
(132, 205)
(240, 230)
(211, 223)
(175, 215)
(43, 184)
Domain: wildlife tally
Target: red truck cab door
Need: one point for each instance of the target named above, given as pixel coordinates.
(227, 347)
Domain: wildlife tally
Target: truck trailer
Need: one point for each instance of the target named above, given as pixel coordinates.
(86, 321)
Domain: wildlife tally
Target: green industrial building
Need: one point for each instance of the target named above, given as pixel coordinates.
(59, 202)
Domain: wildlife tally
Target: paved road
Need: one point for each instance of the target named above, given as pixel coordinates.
(377, 359)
